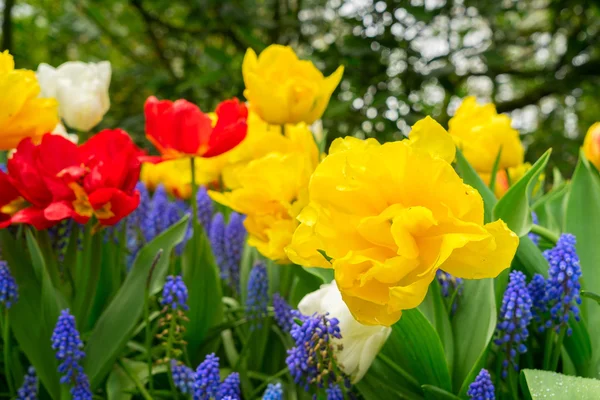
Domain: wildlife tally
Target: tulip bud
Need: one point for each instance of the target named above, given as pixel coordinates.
(360, 343)
(591, 144)
(81, 90)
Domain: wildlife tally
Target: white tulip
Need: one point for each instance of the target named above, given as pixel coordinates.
(60, 130)
(81, 90)
(360, 343)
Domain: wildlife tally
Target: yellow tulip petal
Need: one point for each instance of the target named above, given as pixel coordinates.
(485, 258)
(591, 145)
(429, 136)
(368, 313)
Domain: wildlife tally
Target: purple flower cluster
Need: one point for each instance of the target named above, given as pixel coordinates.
(274, 392)
(312, 361)
(534, 238)
(8, 287)
(207, 380)
(205, 208)
(450, 285)
(29, 389)
(514, 318)
(284, 314)
(175, 293)
(227, 242)
(68, 345)
(482, 387)
(257, 300)
(183, 377)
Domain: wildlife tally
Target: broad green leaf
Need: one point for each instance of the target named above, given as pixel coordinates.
(383, 381)
(304, 283)
(470, 177)
(513, 208)
(35, 343)
(583, 221)
(473, 326)
(579, 347)
(201, 275)
(435, 393)
(434, 309)
(551, 208)
(86, 278)
(543, 385)
(531, 258)
(113, 329)
(324, 274)
(415, 345)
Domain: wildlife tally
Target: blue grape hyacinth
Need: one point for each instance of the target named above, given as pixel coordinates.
(563, 287)
(207, 378)
(68, 345)
(175, 293)
(29, 389)
(274, 391)
(8, 287)
(183, 377)
(230, 388)
(284, 314)
(534, 238)
(205, 207)
(257, 300)
(537, 291)
(482, 387)
(334, 392)
(216, 235)
(450, 285)
(515, 316)
(311, 360)
(235, 238)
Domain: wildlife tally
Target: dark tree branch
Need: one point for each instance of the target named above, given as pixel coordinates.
(7, 41)
(158, 47)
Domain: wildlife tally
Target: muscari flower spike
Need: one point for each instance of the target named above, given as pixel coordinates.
(68, 345)
(183, 377)
(482, 387)
(175, 293)
(207, 378)
(8, 287)
(29, 389)
(205, 207)
(257, 300)
(216, 235)
(284, 313)
(274, 391)
(450, 285)
(515, 315)
(334, 393)
(234, 240)
(230, 388)
(537, 292)
(563, 287)
(312, 361)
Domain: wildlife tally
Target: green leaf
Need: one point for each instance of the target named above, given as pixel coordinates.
(531, 258)
(494, 173)
(324, 274)
(201, 275)
(579, 347)
(112, 331)
(513, 207)
(551, 208)
(434, 309)
(415, 345)
(473, 326)
(470, 177)
(583, 221)
(30, 307)
(542, 385)
(384, 382)
(435, 393)
(304, 283)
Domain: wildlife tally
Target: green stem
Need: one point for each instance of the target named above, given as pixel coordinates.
(514, 389)
(548, 349)
(545, 233)
(266, 382)
(194, 193)
(168, 358)
(6, 339)
(135, 380)
(558, 348)
(148, 337)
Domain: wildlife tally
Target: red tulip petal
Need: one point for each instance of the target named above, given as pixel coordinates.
(33, 216)
(114, 202)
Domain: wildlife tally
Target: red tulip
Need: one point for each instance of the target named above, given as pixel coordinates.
(32, 185)
(179, 129)
(104, 184)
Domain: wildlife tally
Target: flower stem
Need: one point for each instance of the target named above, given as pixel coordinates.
(6, 339)
(545, 233)
(148, 338)
(548, 349)
(514, 389)
(558, 348)
(194, 194)
(135, 380)
(168, 358)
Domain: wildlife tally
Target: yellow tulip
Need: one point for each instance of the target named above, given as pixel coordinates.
(271, 191)
(22, 113)
(480, 132)
(591, 144)
(283, 89)
(387, 216)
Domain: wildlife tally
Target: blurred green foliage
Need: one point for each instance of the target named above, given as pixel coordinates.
(536, 59)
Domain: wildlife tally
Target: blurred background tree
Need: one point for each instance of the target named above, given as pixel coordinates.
(538, 60)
